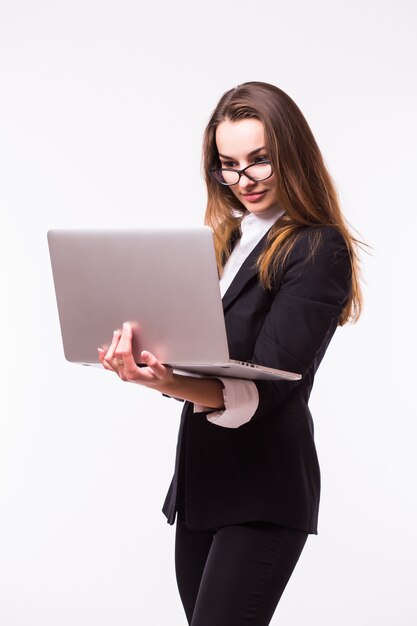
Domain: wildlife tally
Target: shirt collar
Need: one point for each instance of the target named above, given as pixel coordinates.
(261, 222)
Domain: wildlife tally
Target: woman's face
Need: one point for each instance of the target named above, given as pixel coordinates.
(242, 143)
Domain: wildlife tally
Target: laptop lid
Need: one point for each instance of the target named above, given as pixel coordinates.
(164, 281)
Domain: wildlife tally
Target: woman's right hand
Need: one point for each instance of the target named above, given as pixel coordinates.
(118, 358)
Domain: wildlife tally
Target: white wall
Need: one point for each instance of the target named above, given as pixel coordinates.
(93, 94)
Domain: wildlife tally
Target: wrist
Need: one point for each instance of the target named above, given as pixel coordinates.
(199, 390)
(171, 386)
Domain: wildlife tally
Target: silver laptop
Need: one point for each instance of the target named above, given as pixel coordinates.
(163, 281)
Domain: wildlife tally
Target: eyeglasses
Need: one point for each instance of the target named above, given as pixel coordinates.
(255, 172)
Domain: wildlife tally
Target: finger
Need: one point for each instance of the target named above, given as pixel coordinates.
(123, 352)
(101, 354)
(109, 356)
(159, 370)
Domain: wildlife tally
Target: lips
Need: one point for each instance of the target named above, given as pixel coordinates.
(255, 195)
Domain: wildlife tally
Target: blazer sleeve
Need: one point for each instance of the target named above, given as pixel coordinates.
(311, 294)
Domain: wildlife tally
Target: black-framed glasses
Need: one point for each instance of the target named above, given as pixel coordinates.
(256, 172)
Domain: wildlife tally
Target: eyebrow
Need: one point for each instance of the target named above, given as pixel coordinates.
(250, 153)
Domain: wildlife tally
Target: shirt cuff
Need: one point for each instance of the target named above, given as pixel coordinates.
(241, 399)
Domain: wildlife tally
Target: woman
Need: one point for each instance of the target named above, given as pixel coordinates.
(246, 485)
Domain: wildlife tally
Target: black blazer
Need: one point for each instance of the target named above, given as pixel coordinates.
(266, 469)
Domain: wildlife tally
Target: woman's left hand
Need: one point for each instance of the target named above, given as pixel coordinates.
(119, 359)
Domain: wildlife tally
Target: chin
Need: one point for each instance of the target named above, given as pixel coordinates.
(257, 208)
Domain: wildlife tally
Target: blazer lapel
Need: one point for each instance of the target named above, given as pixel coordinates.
(245, 273)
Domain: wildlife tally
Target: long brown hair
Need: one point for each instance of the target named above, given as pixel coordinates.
(307, 191)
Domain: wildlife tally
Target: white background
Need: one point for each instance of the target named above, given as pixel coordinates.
(102, 111)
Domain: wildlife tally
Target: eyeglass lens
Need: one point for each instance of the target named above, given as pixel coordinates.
(257, 171)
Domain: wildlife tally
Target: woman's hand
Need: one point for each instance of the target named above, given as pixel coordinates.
(119, 359)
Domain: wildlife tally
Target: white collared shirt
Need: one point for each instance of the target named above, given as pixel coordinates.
(253, 227)
(241, 396)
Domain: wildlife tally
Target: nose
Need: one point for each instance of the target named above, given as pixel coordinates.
(246, 182)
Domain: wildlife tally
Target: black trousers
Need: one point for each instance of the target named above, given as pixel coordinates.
(234, 575)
